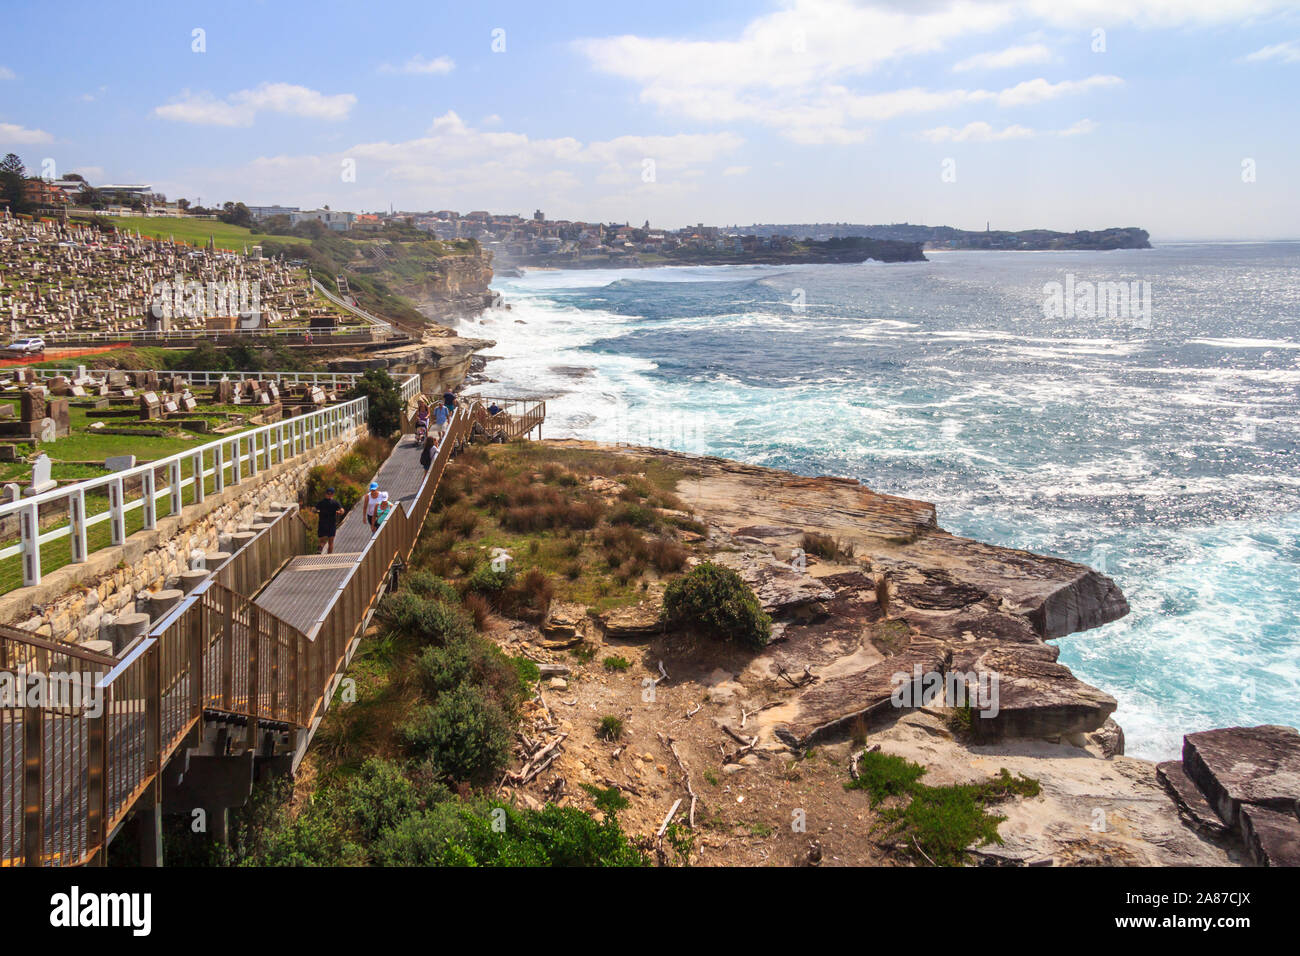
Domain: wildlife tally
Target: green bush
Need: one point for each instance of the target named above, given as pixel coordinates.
(465, 734)
(381, 795)
(717, 601)
(457, 834)
(488, 582)
(428, 585)
(473, 660)
(430, 621)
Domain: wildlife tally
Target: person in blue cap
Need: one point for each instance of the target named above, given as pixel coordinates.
(372, 506)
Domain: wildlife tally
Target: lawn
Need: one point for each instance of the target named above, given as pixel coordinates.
(197, 231)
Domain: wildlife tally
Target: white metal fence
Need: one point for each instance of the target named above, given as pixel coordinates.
(76, 512)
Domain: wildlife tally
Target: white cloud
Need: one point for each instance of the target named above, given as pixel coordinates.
(13, 133)
(1039, 90)
(1003, 59)
(241, 108)
(981, 132)
(418, 65)
(735, 170)
(7, 74)
(1287, 52)
(455, 164)
(806, 69)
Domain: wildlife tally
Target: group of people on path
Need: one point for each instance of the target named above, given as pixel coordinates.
(329, 511)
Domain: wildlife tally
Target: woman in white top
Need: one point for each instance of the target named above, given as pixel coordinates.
(372, 500)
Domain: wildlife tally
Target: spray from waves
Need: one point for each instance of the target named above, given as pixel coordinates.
(1085, 441)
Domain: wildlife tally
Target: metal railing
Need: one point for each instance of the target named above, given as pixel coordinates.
(334, 381)
(78, 511)
(381, 324)
(71, 771)
(353, 335)
(515, 417)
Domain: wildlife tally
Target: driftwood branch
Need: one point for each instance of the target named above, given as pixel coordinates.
(672, 746)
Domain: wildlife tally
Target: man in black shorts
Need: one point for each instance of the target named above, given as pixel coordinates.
(329, 512)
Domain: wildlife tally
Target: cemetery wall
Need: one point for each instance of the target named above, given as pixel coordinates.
(78, 602)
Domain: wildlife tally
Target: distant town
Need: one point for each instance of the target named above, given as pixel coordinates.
(517, 241)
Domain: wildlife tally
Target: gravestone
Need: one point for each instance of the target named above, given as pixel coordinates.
(150, 407)
(49, 431)
(224, 393)
(169, 407)
(32, 404)
(119, 462)
(12, 492)
(41, 480)
(188, 402)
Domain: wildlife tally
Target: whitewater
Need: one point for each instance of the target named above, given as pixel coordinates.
(1163, 452)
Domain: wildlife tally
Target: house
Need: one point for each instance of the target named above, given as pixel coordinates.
(38, 192)
(333, 220)
(266, 212)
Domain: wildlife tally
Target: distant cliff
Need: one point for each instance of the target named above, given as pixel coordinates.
(947, 237)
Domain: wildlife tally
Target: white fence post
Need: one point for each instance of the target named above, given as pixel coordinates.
(77, 524)
(197, 468)
(148, 482)
(218, 470)
(31, 537)
(174, 486)
(117, 510)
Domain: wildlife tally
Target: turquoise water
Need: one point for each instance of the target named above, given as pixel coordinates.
(1160, 448)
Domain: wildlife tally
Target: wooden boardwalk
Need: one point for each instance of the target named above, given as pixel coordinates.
(69, 778)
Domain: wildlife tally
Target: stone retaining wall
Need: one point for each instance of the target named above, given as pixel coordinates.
(77, 602)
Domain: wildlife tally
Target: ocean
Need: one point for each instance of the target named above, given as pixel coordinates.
(1150, 431)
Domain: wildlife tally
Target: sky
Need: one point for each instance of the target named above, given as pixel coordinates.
(1178, 116)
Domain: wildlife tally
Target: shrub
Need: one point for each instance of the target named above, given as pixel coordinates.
(465, 734)
(632, 514)
(384, 401)
(429, 585)
(616, 663)
(486, 581)
(610, 728)
(454, 834)
(429, 621)
(440, 670)
(717, 601)
(381, 795)
(478, 608)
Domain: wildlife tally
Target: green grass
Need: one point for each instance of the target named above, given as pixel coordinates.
(197, 231)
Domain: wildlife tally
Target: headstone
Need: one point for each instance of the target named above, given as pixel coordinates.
(41, 480)
(188, 402)
(32, 404)
(224, 393)
(119, 462)
(49, 431)
(12, 492)
(150, 407)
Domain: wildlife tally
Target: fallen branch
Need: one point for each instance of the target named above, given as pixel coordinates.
(668, 819)
(672, 746)
(692, 713)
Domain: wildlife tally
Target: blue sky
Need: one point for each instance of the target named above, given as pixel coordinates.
(811, 110)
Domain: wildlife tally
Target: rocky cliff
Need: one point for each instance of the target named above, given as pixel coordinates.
(455, 286)
(899, 637)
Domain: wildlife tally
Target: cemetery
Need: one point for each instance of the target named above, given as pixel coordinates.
(60, 428)
(70, 282)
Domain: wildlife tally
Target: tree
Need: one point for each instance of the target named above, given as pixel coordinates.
(12, 176)
(385, 401)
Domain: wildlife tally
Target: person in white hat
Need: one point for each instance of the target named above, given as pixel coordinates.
(385, 509)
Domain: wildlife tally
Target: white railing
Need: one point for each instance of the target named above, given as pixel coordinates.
(319, 336)
(227, 461)
(359, 313)
(332, 381)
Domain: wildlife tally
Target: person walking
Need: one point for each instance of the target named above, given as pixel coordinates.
(440, 418)
(383, 511)
(328, 513)
(372, 500)
(426, 456)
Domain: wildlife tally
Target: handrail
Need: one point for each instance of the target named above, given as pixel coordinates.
(355, 310)
(216, 651)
